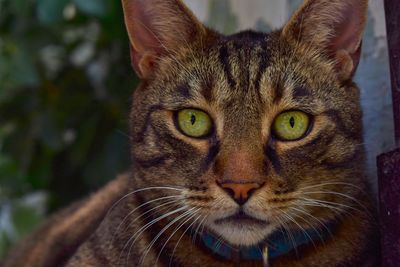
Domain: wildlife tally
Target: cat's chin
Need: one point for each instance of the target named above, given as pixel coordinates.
(241, 233)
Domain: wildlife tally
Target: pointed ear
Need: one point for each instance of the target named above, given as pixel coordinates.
(157, 28)
(335, 26)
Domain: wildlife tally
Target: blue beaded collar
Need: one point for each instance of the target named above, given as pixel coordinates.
(278, 244)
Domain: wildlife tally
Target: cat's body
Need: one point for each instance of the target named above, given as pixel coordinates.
(239, 180)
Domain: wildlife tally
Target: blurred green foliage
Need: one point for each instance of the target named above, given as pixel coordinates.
(65, 91)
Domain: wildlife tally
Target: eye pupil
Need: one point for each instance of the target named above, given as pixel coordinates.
(193, 119)
(193, 122)
(292, 122)
(291, 125)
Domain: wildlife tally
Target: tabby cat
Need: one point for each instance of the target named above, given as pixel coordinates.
(247, 150)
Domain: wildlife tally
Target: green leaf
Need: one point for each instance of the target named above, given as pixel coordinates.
(50, 11)
(25, 71)
(49, 134)
(25, 219)
(91, 7)
(17, 67)
(11, 181)
(4, 243)
(110, 161)
(21, 7)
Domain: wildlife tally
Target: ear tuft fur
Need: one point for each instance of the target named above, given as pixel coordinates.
(157, 28)
(335, 26)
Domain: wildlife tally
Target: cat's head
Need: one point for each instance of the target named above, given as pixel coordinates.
(252, 132)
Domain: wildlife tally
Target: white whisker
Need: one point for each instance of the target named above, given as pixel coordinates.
(148, 248)
(160, 209)
(287, 230)
(141, 190)
(196, 232)
(144, 228)
(341, 195)
(147, 203)
(332, 204)
(293, 220)
(310, 224)
(334, 183)
(191, 216)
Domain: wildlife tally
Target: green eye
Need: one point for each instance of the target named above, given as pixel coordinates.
(194, 122)
(291, 125)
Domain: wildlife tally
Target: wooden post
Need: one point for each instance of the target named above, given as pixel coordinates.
(389, 163)
(392, 8)
(389, 198)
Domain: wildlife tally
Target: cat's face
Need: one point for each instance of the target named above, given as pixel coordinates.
(249, 133)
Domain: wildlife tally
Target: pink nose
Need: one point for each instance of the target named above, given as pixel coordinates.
(240, 192)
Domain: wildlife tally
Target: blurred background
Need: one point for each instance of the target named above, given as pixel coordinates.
(66, 86)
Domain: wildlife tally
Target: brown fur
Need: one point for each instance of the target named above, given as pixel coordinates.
(243, 82)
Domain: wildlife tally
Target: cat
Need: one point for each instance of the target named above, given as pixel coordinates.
(247, 150)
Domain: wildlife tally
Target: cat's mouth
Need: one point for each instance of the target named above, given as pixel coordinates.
(241, 218)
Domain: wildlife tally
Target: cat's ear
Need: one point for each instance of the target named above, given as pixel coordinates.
(157, 28)
(335, 26)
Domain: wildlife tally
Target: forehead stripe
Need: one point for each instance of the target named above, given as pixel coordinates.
(277, 92)
(264, 64)
(224, 59)
(300, 92)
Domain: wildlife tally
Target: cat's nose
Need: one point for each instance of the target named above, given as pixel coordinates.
(240, 192)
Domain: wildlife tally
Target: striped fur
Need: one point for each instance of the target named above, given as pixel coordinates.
(243, 82)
